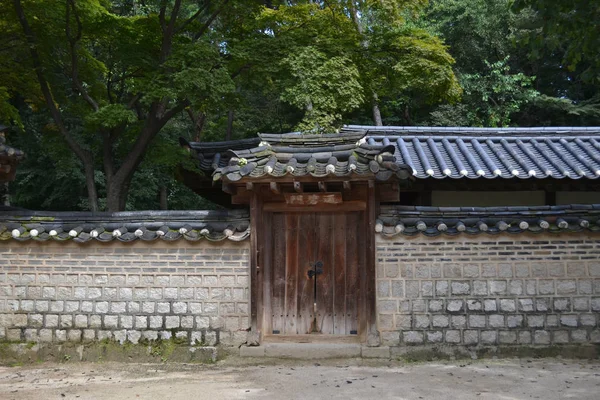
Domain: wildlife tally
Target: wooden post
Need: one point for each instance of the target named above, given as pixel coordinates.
(254, 336)
(373, 337)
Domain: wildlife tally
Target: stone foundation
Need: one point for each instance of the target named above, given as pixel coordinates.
(489, 290)
(196, 292)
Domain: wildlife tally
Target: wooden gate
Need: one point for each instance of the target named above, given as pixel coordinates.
(312, 282)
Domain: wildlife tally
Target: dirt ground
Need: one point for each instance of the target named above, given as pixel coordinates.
(286, 379)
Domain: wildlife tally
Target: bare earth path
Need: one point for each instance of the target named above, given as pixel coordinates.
(346, 379)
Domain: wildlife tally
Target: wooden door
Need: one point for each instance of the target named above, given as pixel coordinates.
(314, 273)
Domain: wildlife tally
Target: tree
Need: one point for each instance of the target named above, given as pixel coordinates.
(127, 74)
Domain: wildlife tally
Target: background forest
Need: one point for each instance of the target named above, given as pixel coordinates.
(97, 92)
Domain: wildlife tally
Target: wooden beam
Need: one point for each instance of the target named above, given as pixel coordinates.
(249, 186)
(347, 186)
(322, 186)
(298, 187)
(229, 188)
(275, 188)
(354, 205)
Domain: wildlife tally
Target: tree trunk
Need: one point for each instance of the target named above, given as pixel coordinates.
(230, 116)
(376, 111)
(163, 198)
(4, 195)
(88, 167)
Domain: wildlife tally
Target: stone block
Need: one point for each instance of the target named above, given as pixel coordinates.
(458, 321)
(480, 288)
(74, 335)
(111, 321)
(419, 306)
(477, 321)
(562, 304)
(452, 336)
(581, 304)
(489, 337)
(507, 305)
(436, 305)
(515, 287)
(474, 305)
(156, 321)
(496, 321)
(435, 336)
(118, 307)
(126, 321)
(587, 319)
(427, 288)
(89, 335)
(546, 286)
(490, 305)
(102, 307)
(460, 288)
(441, 321)
(454, 306)
(150, 335)
(383, 306)
(569, 320)
(489, 271)
(525, 305)
(566, 287)
(579, 336)
(66, 321)
(441, 288)
(536, 321)
(507, 337)
(134, 336)
(36, 320)
(524, 337)
(141, 322)
(560, 337)
(171, 322)
(412, 337)
(541, 337)
(470, 337)
(179, 307)
(60, 335)
(577, 269)
(498, 287)
(514, 321)
(422, 321)
(163, 307)
(471, 271)
(81, 321)
(45, 335)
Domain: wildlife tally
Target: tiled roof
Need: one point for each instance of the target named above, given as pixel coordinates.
(433, 221)
(125, 226)
(493, 152)
(429, 152)
(297, 155)
(9, 158)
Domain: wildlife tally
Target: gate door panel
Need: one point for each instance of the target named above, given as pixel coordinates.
(314, 273)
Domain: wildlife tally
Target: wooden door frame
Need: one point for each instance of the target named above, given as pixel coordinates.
(261, 270)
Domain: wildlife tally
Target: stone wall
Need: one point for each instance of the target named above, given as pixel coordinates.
(489, 290)
(55, 292)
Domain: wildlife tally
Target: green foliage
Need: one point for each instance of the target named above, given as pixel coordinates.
(324, 86)
(569, 27)
(497, 94)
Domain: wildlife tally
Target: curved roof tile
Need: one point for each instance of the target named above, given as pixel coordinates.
(83, 227)
(427, 152)
(434, 221)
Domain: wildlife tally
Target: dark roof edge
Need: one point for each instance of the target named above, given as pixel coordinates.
(434, 221)
(471, 131)
(125, 226)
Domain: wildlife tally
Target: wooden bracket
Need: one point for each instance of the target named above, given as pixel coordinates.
(275, 187)
(298, 187)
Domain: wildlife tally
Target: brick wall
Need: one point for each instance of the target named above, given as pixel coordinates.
(506, 289)
(197, 291)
